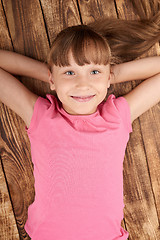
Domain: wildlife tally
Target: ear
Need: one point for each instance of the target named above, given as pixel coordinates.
(51, 82)
(109, 80)
(112, 78)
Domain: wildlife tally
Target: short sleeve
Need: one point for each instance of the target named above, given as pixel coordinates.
(124, 111)
(41, 105)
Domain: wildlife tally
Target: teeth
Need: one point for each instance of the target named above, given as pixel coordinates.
(83, 96)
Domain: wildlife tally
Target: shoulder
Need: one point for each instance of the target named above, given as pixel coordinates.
(117, 104)
(39, 108)
(117, 109)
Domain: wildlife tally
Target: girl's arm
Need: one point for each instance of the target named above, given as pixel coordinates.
(136, 70)
(18, 64)
(16, 96)
(12, 92)
(146, 94)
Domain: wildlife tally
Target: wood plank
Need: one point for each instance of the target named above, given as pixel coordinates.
(8, 227)
(141, 168)
(59, 15)
(93, 10)
(28, 34)
(17, 166)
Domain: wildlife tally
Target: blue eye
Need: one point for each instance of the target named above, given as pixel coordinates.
(95, 72)
(69, 73)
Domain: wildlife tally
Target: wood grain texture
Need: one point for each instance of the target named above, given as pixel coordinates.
(8, 227)
(141, 165)
(17, 166)
(28, 35)
(91, 10)
(58, 15)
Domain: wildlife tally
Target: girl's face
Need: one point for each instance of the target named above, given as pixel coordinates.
(80, 88)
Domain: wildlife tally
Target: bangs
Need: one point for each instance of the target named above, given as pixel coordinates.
(86, 46)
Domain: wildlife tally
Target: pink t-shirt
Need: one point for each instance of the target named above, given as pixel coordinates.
(78, 170)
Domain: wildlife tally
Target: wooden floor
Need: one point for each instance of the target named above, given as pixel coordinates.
(29, 27)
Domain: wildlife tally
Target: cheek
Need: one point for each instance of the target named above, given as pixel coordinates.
(60, 86)
(62, 90)
(102, 85)
(103, 89)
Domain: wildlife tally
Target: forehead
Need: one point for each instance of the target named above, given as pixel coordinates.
(72, 61)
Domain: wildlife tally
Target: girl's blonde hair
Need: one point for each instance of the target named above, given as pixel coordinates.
(108, 41)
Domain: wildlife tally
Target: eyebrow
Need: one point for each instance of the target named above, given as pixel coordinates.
(70, 67)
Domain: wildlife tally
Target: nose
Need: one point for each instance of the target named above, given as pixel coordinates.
(82, 82)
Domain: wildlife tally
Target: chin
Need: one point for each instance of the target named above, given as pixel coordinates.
(79, 110)
(83, 112)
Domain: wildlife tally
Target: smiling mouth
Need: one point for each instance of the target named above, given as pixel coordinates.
(82, 98)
